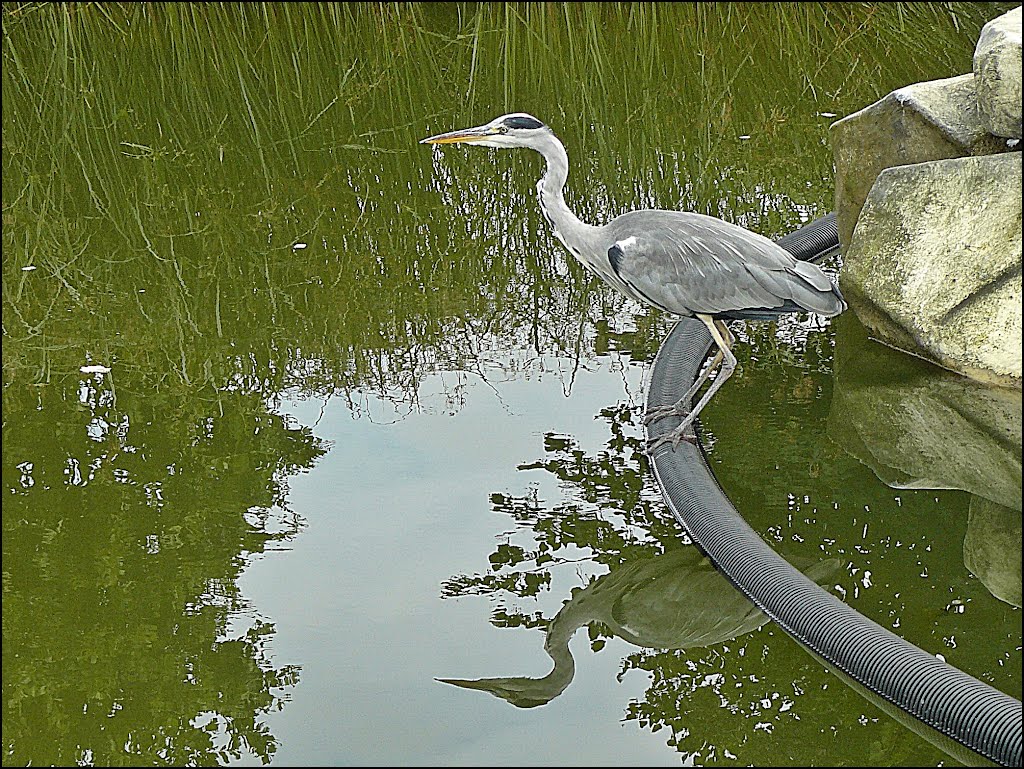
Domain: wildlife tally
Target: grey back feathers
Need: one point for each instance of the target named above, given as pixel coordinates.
(683, 263)
(690, 264)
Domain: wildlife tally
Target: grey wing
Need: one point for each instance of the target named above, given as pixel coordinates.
(689, 264)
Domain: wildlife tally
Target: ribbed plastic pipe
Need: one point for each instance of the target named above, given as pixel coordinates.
(813, 241)
(942, 697)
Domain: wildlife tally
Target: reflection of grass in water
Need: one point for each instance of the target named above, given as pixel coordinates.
(181, 150)
(199, 123)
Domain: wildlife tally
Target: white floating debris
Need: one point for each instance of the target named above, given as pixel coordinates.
(95, 369)
(827, 114)
(744, 137)
(28, 268)
(298, 246)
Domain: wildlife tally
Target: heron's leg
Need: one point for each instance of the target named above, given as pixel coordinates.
(682, 406)
(723, 338)
(726, 333)
(720, 333)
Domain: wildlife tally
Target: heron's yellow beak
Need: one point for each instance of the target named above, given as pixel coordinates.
(461, 136)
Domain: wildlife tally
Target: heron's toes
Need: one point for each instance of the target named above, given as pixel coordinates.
(660, 412)
(685, 432)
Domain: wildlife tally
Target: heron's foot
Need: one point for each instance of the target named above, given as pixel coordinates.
(678, 409)
(684, 432)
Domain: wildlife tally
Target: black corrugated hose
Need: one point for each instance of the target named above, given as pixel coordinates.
(941, 697)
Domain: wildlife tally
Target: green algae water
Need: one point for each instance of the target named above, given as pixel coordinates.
(304, 421)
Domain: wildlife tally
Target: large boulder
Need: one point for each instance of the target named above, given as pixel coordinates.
(997, 71)
(934, 266)
(926, 121)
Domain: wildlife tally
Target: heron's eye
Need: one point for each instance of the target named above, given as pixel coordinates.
(503, 129)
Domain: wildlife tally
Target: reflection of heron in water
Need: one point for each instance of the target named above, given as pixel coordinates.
(671, 601)
(684, 263)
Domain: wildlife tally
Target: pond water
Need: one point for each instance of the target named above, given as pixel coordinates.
(301, 417)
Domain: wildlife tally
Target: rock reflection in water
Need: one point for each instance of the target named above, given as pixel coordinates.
(920, 427)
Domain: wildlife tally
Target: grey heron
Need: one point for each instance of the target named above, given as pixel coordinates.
(684, 263)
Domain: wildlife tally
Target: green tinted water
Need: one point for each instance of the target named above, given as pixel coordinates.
(365, 427)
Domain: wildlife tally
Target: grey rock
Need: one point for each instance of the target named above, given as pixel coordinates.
(997, 72)
(926, 121)
(934, 267)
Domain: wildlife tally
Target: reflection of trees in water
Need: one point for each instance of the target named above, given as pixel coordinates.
(721, 691)
(751, 702)
(126, 523)
(614, 483)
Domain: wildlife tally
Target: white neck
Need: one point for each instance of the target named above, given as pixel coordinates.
(550, 189)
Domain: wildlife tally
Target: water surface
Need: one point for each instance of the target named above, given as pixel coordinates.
(365, 427)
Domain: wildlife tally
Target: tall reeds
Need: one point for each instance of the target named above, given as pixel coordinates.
(164, 164)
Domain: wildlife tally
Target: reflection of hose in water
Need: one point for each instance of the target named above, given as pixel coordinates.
(945, 699)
